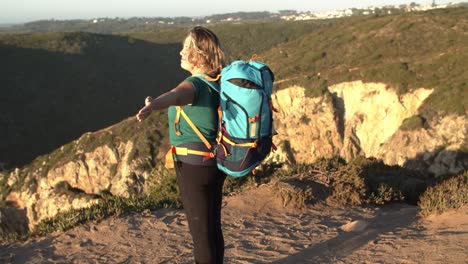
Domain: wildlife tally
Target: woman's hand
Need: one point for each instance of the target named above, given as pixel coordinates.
(146, 110)
(148, 100)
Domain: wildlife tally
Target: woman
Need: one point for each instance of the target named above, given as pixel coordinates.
(200, 182)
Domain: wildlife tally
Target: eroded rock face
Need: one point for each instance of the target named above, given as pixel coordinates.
(103, 169)
(374, 113)
(78, 183)
(306, 127)
(435, 149)
(364, 119)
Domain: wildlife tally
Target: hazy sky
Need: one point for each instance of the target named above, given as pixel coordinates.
(17, 11)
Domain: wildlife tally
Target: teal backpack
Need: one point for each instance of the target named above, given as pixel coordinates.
(246, 117)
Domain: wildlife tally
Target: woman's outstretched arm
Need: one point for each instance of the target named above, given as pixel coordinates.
(181, 95)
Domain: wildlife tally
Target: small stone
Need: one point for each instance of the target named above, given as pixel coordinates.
(86, 242)
(355, 226)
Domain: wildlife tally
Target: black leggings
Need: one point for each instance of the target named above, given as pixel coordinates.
(201, 194)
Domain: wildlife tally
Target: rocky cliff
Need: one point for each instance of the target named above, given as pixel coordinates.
(79, 173)
(356, 118)
(77, 183)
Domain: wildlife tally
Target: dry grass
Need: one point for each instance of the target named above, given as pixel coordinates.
(448, 194)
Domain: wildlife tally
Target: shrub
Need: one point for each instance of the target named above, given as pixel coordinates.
(361, 181)
(448, 194)
(295, 192)
(108, 206)
(166, 190)
(413, 123)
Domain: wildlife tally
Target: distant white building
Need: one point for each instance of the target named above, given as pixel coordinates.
(230, 19)
(334, 14)
(365, 11)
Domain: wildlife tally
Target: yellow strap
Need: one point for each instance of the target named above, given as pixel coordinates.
(169, 160)
(219, 138)
(226, 153)
(253, 144)
(177, 119)
(186, 151)
(207, 77)
(253, 130)
(220, 115)
(195, 129)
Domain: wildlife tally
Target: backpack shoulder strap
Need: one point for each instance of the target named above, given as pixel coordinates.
(212, 82)
(180, 111)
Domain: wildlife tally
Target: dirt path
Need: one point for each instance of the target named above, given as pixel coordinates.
(258, 229)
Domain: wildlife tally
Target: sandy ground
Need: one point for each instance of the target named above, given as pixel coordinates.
(258, 229)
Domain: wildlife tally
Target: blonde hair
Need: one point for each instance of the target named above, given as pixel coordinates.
(205, 51)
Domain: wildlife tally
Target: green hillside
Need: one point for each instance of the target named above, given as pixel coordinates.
(407, 51)
(241, 41)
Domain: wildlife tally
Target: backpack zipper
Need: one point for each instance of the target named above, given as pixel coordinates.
(229, 99)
